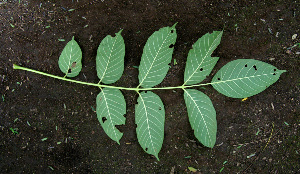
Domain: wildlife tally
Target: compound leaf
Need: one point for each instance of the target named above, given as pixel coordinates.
(199, 61)
(111, 107)
(70, 59)
(157, 54)
(150, 119)
(202, 116)
(110, 58)
(243, 78)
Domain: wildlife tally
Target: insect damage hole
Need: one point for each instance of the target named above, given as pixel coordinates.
(159, 108)
(219, 79)
(69, 70)
(246, 65)
(172, 31)
(104, 119)
(73, 65)
(201, 69)
(146, 149)
(171, 46)
(254, 66)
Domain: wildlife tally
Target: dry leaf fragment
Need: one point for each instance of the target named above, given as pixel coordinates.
(192, 169)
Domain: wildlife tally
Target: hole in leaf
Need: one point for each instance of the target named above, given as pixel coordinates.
(274, 70)
(201, 69)
(73, 65)
(69, 71)
(172, 31)
(146, 149)
(254, 66)
(274, 73)
(104, 119)
(219, 79)
(246, 65)
(171, 46)
(159, 108)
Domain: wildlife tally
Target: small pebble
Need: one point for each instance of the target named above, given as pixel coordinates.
(294, 36)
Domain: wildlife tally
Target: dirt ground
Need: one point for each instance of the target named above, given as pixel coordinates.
(49, 126)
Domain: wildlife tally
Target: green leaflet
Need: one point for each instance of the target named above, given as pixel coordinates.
(111, 107)
(150, 119)
(202, 116)
(110, 58)
(245, 77)
(70, 59)
(199, 61)
(157, 54)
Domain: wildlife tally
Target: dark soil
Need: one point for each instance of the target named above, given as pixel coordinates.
(39, 107)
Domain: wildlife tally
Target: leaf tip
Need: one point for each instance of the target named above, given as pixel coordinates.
(219, 33)
(119, 32)
(174, 25)
(280, 72)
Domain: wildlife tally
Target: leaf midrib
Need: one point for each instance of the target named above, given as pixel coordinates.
(241, 78)
(109, 115)
(70, 57)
